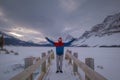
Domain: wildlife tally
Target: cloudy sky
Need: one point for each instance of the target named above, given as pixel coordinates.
(35, 19)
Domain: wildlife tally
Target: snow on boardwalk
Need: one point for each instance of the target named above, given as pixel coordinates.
(66, 75)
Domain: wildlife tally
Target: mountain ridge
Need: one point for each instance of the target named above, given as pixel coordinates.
(10, 40)
(108, 28)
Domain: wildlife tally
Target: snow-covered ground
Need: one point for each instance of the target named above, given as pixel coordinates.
(108, 58)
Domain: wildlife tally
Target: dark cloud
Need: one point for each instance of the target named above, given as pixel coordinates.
(53, 17)
(28, 11)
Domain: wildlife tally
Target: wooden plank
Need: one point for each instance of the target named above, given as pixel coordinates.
(93, 75)
(27, 72)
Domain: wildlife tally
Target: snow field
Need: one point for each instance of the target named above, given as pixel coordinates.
(108, 58)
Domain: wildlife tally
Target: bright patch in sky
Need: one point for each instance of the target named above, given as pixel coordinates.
(40, 39)
(25, 30)
(71, 5)
(16, 34)
(1, 13)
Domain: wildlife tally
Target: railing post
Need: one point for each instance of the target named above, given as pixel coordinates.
(75, 67)
(89, 62)
(49, 58)
(52, 52)
(29, 62)
(70, 61)
(44, 63)
(66, 56)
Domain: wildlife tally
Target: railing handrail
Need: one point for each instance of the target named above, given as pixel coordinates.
(28, 71)
(93, 75)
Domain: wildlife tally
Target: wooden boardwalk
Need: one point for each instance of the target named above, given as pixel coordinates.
(66, 75)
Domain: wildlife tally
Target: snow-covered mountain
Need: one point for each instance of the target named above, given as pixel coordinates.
(105, 34)
(10, 40)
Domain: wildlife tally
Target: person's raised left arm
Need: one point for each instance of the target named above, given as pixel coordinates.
(69, 43)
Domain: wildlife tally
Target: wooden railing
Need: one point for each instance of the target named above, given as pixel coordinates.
(87, 68)
(90, 73)
(27, 73)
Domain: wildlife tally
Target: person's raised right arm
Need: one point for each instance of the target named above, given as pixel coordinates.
(49, 40)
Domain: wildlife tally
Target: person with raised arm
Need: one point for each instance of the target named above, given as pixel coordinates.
(59, 51)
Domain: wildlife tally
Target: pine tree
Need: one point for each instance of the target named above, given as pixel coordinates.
(2, 42)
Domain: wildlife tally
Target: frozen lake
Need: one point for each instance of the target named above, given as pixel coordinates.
(107, 57)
